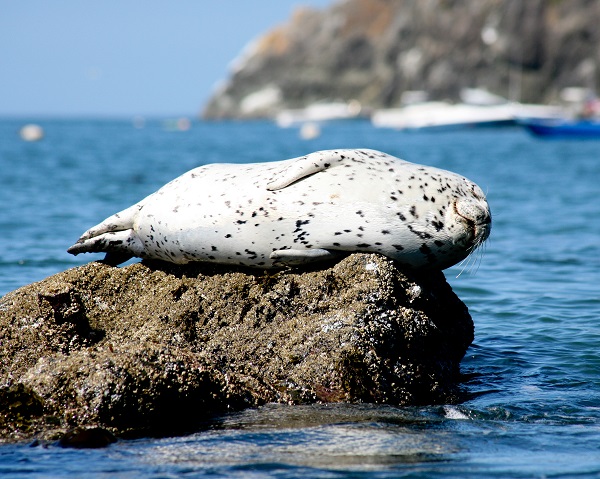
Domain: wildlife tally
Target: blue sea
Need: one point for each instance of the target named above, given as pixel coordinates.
(531, 377)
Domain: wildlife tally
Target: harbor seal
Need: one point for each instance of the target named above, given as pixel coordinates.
(298, 211)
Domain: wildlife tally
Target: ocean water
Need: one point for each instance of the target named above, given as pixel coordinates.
(531, 377)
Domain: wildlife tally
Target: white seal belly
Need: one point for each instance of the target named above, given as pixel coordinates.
(302, 210)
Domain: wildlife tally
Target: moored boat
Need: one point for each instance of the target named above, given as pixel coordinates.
(563, 128)
(430, 116)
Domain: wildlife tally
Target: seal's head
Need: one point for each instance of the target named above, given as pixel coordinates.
(474, 214)
(468, 221)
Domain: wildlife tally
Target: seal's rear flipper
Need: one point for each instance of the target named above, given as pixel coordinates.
(122, 221)
(119, 246)
(297, 257)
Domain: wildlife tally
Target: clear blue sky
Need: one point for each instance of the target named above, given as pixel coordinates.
(124, 57)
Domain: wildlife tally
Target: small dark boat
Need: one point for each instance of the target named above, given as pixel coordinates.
(563, 128)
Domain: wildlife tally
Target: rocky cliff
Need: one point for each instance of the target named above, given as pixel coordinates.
(373, 51)
(154, 348)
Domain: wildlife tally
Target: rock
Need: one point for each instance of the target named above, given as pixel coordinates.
(373, 51)
(86, 438)
(154, 348)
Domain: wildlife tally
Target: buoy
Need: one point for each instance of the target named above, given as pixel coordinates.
(31, 132)
(309, 131)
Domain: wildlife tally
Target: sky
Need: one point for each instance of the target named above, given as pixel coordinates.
(122, 58)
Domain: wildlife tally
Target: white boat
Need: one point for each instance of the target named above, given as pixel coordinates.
(439, 115)
(478, 108)
(318, 113)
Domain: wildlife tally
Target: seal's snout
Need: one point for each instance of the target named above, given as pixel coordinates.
(476, 214)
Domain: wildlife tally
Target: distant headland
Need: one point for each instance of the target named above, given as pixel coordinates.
(376, 52)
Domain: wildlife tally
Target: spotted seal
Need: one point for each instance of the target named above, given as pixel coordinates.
(299, 211)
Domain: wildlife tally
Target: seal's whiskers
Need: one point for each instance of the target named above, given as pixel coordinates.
(473, 259)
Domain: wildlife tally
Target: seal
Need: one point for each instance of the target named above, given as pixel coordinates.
(299, 211)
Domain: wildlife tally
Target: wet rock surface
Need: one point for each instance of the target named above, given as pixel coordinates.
(154, 348)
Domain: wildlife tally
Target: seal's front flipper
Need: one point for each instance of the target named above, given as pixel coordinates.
(119, 246)
(304, 166)
(297, 257)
